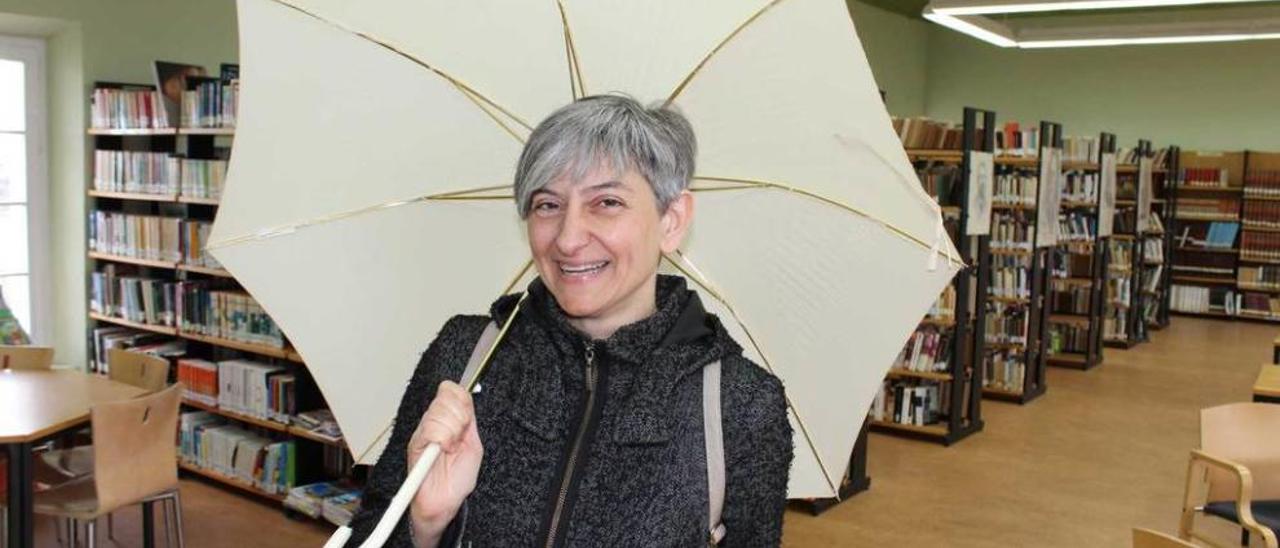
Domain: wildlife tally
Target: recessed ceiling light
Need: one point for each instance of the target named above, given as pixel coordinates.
(983, 7)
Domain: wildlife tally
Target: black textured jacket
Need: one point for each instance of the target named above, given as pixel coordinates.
(640, 475)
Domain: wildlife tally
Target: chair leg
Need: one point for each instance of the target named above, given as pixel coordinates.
(73, 530)
(91, 533)
(111, 527)
(168, 521)
(177, 518)
(1244, 537)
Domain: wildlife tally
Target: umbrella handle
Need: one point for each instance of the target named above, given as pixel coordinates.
(396, 508)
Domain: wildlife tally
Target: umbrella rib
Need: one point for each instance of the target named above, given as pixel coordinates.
(804, 430)
(479, 99)
(468, 194)
(689, 77)
(576, 86)
(746, 184)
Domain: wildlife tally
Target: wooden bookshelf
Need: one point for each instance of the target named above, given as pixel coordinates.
(206, 144)
(163, 330)
(99, 256)
(1193, 166)
(230, 481)
(133, 196)
(944, 174)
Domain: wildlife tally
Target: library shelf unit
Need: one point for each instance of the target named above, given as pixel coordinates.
(1074, 330)
(123, 248)
(1013, 364)
(1208, 233)
(1139, 254)
(951, 333)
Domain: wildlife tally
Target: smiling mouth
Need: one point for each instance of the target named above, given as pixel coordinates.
(582, 269)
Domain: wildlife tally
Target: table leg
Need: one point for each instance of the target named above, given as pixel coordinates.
(148, 525)
(21, 517)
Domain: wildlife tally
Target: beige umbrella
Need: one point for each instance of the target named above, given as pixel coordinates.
(368, 197)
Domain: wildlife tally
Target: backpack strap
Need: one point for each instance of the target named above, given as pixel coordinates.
(477, 354)
(714, 435)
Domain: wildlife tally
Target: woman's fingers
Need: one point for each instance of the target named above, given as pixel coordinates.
(446, 421)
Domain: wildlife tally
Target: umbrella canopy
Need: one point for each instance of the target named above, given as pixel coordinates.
(368, 197)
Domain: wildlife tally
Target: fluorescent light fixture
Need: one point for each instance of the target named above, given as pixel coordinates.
(966, 27)
(986, 7)
(1094, 42)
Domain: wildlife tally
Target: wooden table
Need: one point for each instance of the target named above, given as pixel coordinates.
(1267, 387)
(35, 405)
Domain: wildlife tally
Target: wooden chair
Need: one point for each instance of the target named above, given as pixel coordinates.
(141, 370)
(26, 357)
(1146, 538)
(134, 461)
(1235, 475)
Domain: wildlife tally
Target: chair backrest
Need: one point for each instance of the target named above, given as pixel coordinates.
(1146, 538)
(141, 370)
(30, 358)
(134, 454)
(1244, 433)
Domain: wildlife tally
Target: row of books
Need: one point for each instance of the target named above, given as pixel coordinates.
(908, 402)
(199, 380)
(1015, 140)
(151, 237)
(158, 173)
(209, 441)
(1070, 298)
(944, 308)
(1151, 279)
(1258, 277)
(1217, 235)
(211, 102)
(1262, 182)
(334, 501)
(1075, 226)
(942, 182)
(1015, 188)
(1119, 291)
(1205, 177)
(1115, 325)
(1261, 214)
(1004, 371)
(143, 342)
(1011, 231)
(1062, 337)
(150, 301)
(1159, 158)
(1119, 252)
(1198, 299)
(923, 133)
(1010, 278)
(1153, 250)
(1208, 209)
(1260, 246)
(226, 314)
(256, 389)
(928, 349)
(1006, 324)
(1079, 186)
(1081, 149)
(126, 107)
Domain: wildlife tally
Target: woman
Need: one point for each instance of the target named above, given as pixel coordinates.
(587, 428)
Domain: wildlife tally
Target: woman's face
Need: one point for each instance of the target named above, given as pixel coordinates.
(597, 242)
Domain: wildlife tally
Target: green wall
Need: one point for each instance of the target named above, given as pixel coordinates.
(1199, 96)
(897, 50)
(89, 40)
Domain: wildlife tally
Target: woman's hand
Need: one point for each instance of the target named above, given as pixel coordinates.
(451, 422)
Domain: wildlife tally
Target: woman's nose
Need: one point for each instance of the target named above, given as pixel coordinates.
(574, 232)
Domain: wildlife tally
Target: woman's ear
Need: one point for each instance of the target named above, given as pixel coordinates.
(676, 221)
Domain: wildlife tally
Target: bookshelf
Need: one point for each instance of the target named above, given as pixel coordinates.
(1074, 329)
(1207, 252)
(151, 198)
(1012, 364)
(1125, 260)
(936, 365)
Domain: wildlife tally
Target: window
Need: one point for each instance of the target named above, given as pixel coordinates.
(24, 218)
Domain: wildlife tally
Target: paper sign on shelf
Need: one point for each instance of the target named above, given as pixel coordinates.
(1107, 195)
(981, 189)
(1050, 197)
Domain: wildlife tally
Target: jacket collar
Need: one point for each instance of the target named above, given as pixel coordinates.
(678, 339)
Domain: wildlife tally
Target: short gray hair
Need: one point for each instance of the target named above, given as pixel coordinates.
(657, 142)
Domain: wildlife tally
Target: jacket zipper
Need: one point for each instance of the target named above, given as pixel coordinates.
(557, 515)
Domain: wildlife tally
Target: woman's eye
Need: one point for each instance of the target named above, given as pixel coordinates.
(611, 202)
(546, 207)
